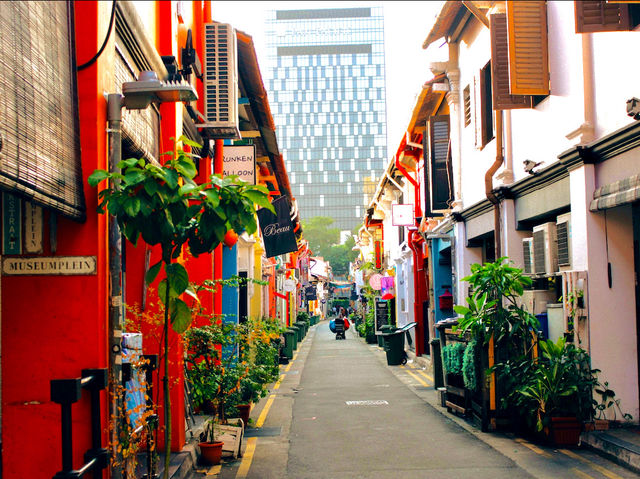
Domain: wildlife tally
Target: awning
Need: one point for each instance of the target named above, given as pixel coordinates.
(620, 193)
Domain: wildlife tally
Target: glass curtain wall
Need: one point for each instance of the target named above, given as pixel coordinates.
(326, 85)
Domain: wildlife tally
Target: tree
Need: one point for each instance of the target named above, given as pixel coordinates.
(320, 235)
(340, 256)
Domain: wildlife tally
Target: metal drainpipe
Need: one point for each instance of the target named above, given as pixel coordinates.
(488, 183)
(116, 280)
(417, 297)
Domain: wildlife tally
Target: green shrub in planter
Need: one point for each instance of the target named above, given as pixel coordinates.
(452, 356)
(471, 368)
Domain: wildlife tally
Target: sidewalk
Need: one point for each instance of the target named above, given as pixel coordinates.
(620, 445)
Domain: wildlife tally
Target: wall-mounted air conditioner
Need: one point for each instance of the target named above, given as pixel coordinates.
(527, 252)
(563, 234)
(545, 250)
(220, 82)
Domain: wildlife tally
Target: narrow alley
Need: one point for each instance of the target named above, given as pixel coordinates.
(338, 411)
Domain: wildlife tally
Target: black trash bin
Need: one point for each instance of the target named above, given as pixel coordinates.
(393, 343)
(385, 328)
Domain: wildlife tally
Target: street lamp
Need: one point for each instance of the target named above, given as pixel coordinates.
(136, 95)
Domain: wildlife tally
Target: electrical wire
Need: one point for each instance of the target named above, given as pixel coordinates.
(104, 44)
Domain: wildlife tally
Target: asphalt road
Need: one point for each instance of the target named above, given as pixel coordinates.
(353, 418)
(339, 411)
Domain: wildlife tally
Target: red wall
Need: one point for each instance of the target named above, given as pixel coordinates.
(54, 326)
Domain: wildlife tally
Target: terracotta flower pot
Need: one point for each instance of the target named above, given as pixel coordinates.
(211, 452)
(565, 431)
(244, 410)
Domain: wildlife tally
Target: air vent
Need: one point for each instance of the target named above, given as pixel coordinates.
(220, 82)
(545, 253)
(527, 251)
(563, 232)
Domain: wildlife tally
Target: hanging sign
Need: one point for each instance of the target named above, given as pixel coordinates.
(240, 161)
(378, 251)
(277, 230)
(310, 293)
(402, 215)
(289, 285)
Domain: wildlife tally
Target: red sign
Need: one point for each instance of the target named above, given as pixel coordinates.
(377, 246)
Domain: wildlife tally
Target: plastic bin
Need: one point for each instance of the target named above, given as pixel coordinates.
(294, 340)
(543, 319)
(385, 328)
(298, 330)
(393, 343)
(289, 343)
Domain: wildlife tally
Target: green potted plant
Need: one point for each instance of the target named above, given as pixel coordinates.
(166, 207)
(559, 391)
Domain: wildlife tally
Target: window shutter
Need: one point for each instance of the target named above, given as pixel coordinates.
(477, 115)
(441, 175)
(426, 155)
(528, 47)
(502, 99)
(601, 17)
(40, 152)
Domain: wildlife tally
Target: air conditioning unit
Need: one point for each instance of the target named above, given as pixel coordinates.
(563, 234)
(220, 82)
(545, 249)
(527, 252)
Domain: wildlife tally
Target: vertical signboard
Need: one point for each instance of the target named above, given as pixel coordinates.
(11, 224)
(382, 314)
(33, 228)
(377, 245)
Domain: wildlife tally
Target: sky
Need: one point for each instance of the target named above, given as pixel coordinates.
(407, 24)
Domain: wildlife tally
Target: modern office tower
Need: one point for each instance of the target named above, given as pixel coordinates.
(326, 85)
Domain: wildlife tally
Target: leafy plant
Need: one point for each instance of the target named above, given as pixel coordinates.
(607, 402)
(471, 368)
(166, 207)
(560, 383)
(452, 356)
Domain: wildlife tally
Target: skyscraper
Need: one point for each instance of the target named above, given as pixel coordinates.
(326, 84)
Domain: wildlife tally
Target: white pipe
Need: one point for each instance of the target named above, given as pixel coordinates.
(589, 89)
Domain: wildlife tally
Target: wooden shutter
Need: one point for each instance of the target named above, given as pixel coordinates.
(502, 99)
(486, 105)
(528, 47)
(440, 175)
(426, 156)
(601, 17)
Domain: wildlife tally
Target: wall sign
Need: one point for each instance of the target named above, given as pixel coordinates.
(240, 161)
(49, 265)
(33, 228)
(11, 224)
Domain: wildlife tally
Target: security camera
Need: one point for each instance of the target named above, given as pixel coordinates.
(633, 108)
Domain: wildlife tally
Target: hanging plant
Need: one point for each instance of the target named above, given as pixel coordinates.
(166, 207)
